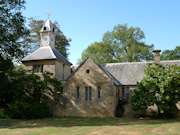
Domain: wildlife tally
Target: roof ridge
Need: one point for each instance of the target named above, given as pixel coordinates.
(139, 62)
(127, 63)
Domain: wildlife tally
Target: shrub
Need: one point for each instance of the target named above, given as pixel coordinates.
(27, 110)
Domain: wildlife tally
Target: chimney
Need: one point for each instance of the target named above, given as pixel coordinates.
(157, 56)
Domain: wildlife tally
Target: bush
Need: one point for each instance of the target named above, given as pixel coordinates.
(2, 115)
(27, 110)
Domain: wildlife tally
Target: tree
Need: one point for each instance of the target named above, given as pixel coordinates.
(13, 31)
(61, 42)
(12, 36)
(171, 54)
(27, 92)
(160, 86)
(122, 44)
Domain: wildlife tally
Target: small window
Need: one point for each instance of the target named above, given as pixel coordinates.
(125, 93)
(77, 93)
(88, 94)
(44, 28)
(34, 69)
(88, 71)
(99, 92)
(53, 29)
(41, 68)
(37, 68)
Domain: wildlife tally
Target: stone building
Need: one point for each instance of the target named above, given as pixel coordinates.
(46, 57)
(93, 89)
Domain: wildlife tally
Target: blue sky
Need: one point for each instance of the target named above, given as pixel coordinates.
(85, 21)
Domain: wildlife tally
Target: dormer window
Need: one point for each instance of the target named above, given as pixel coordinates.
(44, 28)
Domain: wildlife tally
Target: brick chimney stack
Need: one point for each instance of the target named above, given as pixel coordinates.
(157, 56)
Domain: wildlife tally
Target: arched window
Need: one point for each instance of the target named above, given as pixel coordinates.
(44, 28)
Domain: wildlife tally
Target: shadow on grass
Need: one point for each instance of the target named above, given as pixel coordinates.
(72, 122)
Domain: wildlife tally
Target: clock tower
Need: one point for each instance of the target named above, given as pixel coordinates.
(46, 57)
(47, 34)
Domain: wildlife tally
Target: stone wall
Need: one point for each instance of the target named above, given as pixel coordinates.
(62, 74)
(59, 70)
(103, 107)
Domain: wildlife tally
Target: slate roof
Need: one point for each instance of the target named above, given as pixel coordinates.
(46, 53)
(116, 82)
(132, 72)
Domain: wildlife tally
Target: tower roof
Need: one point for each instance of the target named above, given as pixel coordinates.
(46, 53)
(48, 25)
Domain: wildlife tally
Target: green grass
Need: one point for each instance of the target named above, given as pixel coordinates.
(95, 126)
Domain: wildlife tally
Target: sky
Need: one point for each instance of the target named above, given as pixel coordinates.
(85, 21)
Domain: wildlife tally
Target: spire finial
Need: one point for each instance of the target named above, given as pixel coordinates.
(49, 11)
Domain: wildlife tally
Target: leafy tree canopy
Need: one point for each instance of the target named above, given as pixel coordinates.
(171, 54)
(160, 86)
(25, 86)
(122, 44)
(16, 85)
(61, 42)
(13, 31)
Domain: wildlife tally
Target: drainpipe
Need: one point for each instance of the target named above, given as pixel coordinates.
(157, 56)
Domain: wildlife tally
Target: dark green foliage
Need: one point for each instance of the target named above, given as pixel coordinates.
(12, 29)
(26, 94)
(27, 110)
(160, 86)
(61, 42)
(171, 54)
(122, 44)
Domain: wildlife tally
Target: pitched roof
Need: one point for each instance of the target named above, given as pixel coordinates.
(46, 53)
(116, 82)
(132, 72)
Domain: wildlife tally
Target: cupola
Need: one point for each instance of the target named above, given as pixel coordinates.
(47, 34)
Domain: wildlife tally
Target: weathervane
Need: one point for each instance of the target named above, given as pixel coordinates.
(49, 11)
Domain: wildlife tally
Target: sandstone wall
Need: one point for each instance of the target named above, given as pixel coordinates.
(59, 70)
(67, 71)
(103, 107)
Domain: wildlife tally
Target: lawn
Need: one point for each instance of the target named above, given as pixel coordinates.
(89, 126)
